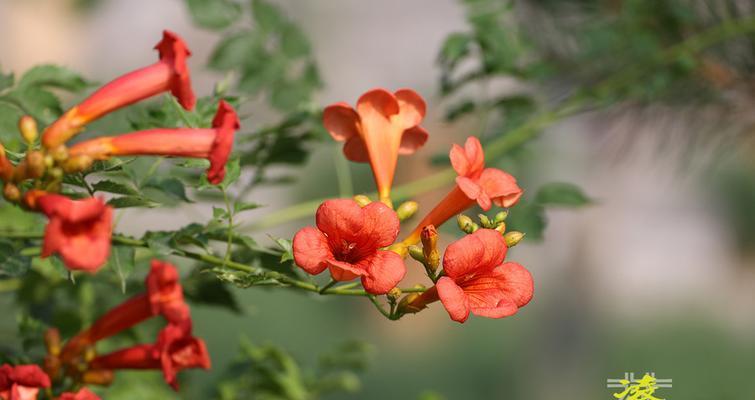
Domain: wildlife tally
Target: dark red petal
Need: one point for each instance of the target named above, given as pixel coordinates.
(225, 123)
(341, 121)
(355, 150)
(311, 250)
(173, 50)
(453, 298)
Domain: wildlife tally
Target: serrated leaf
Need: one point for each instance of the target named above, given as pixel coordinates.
(122, 260)
(49, 75)
(232, 172)
(219, 213)
(214, 14)
(132, 201)
(114, 187)
(287, 247)
(159, 242)
(172, 187)
(561, 194)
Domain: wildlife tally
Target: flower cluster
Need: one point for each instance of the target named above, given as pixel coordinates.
(357, 237)
(79, 231)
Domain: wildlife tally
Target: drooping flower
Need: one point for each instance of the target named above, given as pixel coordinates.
(6, 168)
(478, 281)
(474, 184)
(22, 382)
(79, 231)
(170, 73)
(176, 349)
(383, 126)
(164, 296)
(82, 394)
(348, 241)
(214, 143)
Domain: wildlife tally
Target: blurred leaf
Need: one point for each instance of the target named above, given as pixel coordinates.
(12, 264)
(52, 76)
(240, 206)
(131, 201)
(214, 14)
(114, 187)
(287, 248)
(528, 218)
(6, 80)
(454, 48)
(267, 16)
(561, 194)
(172, 187)
(205, 288)
(122, 260)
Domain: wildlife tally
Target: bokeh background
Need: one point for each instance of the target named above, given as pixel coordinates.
(656, 274)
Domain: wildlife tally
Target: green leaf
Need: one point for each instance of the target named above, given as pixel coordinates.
(561, 194)
(12, 263)
(122, 260)
(160, 242)
(172, 187)
(114, 187)
(132, 201)
(6, 80)
(205, 288)
(219, 213)
(454, 48)
(40, 103)
(53, 76)
(214, 14)
(240, 206)
(287, 248)
(235, 50)
(267, 16)
(528, 218)
(232, 173)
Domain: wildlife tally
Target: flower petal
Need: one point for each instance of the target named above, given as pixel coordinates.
(225, 123)
(504, 308)
(311, 250)
(341, 121)
(381, 225)
(453, 298)
(475, 155)
(459, 160)
(378, 101)
(412, 139)
(475, 253)
(384, 271)
(340, 220)
(173, 50)
(411, 107)
(355, 150)
(517, 283)
(470, 188)
(343, 271)
(500, 186)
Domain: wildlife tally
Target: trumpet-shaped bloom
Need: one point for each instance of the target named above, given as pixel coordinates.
(22, 382)
(478, 281)
(170, 73)
(174, 351)
(383, 126)
(474, 184)
(164, 297)
(82, 394)
(78, 231)
(348, 241)
(214, 143)
(6, 168)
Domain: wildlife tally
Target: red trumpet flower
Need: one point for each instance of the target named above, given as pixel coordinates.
(174, 351)
(347, 241)
(83, 394)
(22, 382)
(6, 168)
(214, 143)
(475, 183)
(383, 126)
(164, 297)
(79, 230)
(170, 73)
(477, 280)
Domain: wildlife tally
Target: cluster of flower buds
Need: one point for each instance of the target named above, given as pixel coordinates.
(79, 230)
(357, 237)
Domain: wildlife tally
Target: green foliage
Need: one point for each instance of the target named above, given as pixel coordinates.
(214, 14)
(529, 216)
(269, 372)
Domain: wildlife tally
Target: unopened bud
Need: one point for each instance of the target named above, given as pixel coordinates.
(49, 161)
(35, 164)
(429, 237)
(56, 173)
(11, 192)
(407, 210)
(28, 128)
(100, 377)
(513, 238)
(362, 200)
(407, 305)
(59, 153)
(501, 228)
(501, 216)
(78, 163)
(466, 224)
(416, 253)
(52, 341)
(394, 294)
(485, 221)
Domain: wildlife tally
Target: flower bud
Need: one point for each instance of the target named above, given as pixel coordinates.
(416, 253)
(501, 228)
(429, 238)
(52, 341)
(485, 221)
(466, 224)
(394, 294)
(407, 305)
(501, 216)
(28, 128)
(100, 377)
(78, 163)
(35, 164)
(362, 200)
(59, 153)
(399, 248)
(513, 238)
(407, 210)
(11, 192)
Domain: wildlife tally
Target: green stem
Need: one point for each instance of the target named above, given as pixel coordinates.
(578, 102)
(380, 308)
(229, 211)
